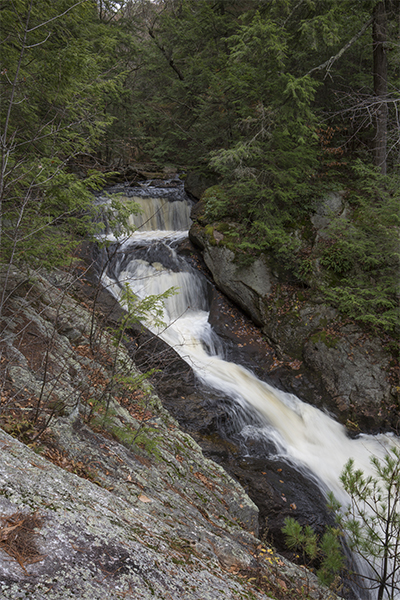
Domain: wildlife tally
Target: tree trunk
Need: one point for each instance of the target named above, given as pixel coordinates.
(380, 85)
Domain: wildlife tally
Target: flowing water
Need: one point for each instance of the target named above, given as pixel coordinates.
(149, 264)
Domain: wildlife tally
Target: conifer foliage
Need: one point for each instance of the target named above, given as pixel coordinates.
(53, 84)
(370, 524)
(279, 100)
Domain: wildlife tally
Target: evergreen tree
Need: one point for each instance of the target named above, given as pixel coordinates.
(277, 98)
(54, 80)
(370, 523)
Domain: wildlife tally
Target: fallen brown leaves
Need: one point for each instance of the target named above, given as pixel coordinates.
(97, 378)
(204, 480)
(144, 499)
(295, 364)
(18, 537)
(99, 354)
(84, 350)
(61, 459)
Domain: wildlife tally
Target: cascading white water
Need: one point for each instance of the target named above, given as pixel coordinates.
(303, 434)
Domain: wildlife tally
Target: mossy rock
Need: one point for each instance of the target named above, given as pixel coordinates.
(329, 340)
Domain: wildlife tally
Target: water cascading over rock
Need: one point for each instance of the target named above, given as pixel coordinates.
(305, 437)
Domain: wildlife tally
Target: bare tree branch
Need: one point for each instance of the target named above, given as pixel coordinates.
(328, 63)
(168, 58)
(57, 16)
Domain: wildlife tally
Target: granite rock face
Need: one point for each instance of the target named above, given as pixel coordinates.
(244, 286)
(143, 537)
(128, 542)
(126, 504)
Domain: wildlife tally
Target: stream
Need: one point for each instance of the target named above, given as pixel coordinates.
(148, 262)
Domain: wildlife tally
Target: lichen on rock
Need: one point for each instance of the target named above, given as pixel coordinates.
(127, 504)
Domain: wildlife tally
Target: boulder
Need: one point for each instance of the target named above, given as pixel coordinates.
(329, 207)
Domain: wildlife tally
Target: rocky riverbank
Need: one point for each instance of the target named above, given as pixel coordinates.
(101, 493)
(322, 357)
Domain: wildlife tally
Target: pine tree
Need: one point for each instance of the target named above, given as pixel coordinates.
(370, 524)
(372, 521)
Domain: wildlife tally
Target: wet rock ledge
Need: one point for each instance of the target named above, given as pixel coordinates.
(103, 496)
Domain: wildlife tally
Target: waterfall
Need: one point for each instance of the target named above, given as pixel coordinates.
(161, 214)
(149, 264)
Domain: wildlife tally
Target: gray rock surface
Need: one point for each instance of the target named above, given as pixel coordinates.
(245, 286)
(149, 517)
(97, 543)
(330, 206)
(354, 371)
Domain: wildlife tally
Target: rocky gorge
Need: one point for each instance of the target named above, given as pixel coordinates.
(103, 495)
(93, 428)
